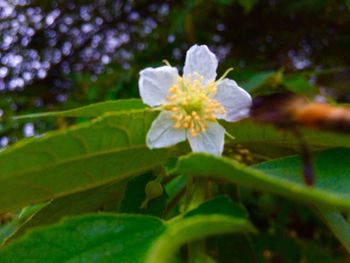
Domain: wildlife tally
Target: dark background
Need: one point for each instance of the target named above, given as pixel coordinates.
(63, 54)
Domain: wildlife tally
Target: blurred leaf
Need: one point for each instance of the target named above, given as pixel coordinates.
(92, 110)
(179, 18)
(224, 2)
(282, 176)
(263, 81)
(110, 148)
(337, 224)
(247, 4)
(243, 249)
(297, 83)
(347, 3)
(128, 238)
(298, 241)
(278, 246)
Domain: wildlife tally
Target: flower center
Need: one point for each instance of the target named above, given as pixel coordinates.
(192, 104)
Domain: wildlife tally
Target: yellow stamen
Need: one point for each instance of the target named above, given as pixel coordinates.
(166, 62)
(191, 104)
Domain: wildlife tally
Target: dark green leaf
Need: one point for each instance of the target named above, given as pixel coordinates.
(337, 224)
(247, 4)
(347, 3)
(92, 200)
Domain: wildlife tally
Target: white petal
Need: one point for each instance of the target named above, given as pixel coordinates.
(211, 141)
(234, 99)
(154, 84)
(201, 60)
(162, 134)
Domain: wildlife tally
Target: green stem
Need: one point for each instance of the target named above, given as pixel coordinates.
(198, 192)
(197, 188)
(337, 224)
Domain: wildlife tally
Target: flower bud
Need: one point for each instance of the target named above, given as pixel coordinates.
(153, 190)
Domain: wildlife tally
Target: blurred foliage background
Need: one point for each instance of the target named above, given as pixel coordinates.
(57, 55)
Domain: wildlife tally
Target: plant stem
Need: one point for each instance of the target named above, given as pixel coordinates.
(197, 194)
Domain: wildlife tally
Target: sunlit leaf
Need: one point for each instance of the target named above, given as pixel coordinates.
(282, 176)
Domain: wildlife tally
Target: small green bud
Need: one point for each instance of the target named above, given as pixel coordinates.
(153, 190)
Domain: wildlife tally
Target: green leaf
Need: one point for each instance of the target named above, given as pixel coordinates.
(10, 228)
(97, 238)
(260, 80)
(224, 2)
(282, 176)
(220, 204)
(337, 224)
(247, 4)
(199, 223)
(299, 84)
(92, 110)
(92, 200)
(347, 3)
(109, 149)
(125, 238)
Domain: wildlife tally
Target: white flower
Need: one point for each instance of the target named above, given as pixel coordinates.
(192, 104)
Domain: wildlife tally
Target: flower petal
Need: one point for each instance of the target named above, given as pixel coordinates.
(234, 99)
(162, 134)
(154, 84)
(211, 141)
(201, 60)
